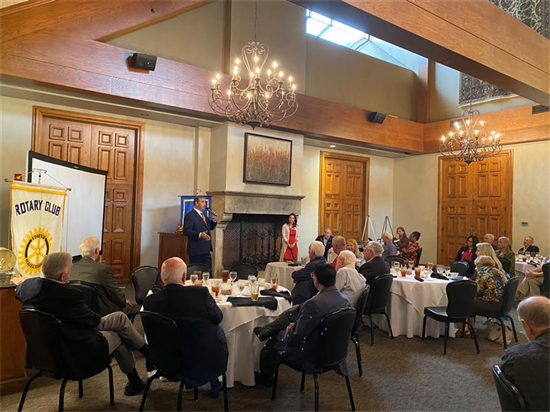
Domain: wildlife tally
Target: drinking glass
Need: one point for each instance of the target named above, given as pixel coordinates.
(241, 285)
(533, 254)
(440, 269)
(198, 273)
(396, 265)
(252, 279)
(273, 281)
(194, 279)
(233, 276)
(225, 276)
(403, 272)
(411, 264)
(430, 266)
(254, 291)
(417, 272)
(205, 277)
(216, 287)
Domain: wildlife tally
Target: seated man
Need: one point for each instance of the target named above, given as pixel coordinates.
(326, 240)
(198, 319)
(389, 246)
(531, 283)
(490, 238)
(528, 246)
(338, 245)
(348, 281)
(88, 269)
(303, 283)
(374, 265)
(81, 326)
(300, 345)
(527, 365)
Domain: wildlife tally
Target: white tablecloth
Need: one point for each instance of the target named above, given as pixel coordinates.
(521, 268)
(408, 298)
(283, 271)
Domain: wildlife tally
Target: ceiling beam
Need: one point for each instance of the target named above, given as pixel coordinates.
(471, 36)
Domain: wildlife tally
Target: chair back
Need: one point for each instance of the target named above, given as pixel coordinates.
(335, 335)
(90, 292)
(244, 270)
(546, 273)
(197, 267)
(460, 296)
(418, 255)
(395, 258)
(359, 309)
(509, 295)
(508, 395)
(506, 264)
(144, 279)
(460, 267)
(379, 294)
(163, 340)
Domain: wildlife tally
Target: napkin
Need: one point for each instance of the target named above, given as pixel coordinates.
(271, 292)
(438, 276)
(419, 279)
(268, 302)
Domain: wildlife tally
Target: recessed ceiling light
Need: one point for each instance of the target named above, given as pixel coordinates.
(332, 146)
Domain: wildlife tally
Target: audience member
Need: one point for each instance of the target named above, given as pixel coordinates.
(527, 365)
(353, 247)
(401, 241)
(528, 246)
(338, 245)
(326, 240)
(111, 297)
(467, 253)
(505, 252)
(531, 283)
(290, 232)
(348, 281)
(198, 319)
(304, 288)
(485, 249)
(82, 328)
(411, 251)
(374, 265)
(490, 285)
(389, 247)
(490, 238)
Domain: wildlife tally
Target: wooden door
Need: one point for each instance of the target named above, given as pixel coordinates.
(343, 186)
(106, 144)
(474, 199)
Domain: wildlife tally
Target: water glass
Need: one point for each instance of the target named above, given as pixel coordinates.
(252, 279)
(205, 277)
(274, 282)
(396, 265)
(430, 266)
(254, 291)
(233, 276)
(241, 285)
(194, 279)
(440, 269)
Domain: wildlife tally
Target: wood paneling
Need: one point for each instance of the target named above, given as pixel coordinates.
(12, 344)
(474, 199)
(343, 193)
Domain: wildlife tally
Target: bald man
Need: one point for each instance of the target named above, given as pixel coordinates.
(202, 339)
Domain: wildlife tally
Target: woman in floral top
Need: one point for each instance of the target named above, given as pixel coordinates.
(490, 285)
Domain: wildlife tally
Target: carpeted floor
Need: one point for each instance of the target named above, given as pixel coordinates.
(399, 374)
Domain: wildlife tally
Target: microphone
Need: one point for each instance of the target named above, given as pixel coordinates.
(211, 211)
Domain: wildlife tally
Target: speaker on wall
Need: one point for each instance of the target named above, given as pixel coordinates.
(377, 117)
(144, 61)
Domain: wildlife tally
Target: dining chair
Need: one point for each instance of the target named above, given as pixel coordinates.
(545, 287)
(244, 270)
(506, 264)
(460, 296)
(504, 313)
(333, 349)
(90, 292)
(197, 267)
(395, 258)
(377, 301)
(144, 278)
(508, 395)
(359, 309)
(460, 267)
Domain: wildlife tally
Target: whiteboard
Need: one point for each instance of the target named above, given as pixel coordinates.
(85, 205)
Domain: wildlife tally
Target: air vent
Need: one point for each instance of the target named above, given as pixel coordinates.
(540, 109)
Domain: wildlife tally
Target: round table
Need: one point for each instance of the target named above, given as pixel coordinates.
(283, 272)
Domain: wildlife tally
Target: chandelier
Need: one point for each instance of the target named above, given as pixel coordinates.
(260, 100)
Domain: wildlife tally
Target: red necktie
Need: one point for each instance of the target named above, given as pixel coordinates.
(204, 219)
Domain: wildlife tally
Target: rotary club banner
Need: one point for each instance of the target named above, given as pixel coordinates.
(36, 224)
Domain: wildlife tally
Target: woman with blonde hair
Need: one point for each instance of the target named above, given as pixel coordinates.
(353, 246)
(485, 249)
(505, 252)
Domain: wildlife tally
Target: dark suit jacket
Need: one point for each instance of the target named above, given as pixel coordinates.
(203, 342)
(301, 343)
(327, 246)
(531, 248)
(110, 297)
(192, 226)
(376, 267)
(527, 366)
(83, 343)
(303, 283)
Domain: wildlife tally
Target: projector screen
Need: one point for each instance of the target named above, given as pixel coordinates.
(85, 205)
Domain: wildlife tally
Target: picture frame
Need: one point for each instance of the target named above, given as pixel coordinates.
(267, 160)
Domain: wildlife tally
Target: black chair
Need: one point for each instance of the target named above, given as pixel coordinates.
(49, 353)
(418, 255)
(460, 296)
(244, 270)
(461, 268)
(163, 339)
(545, 287)
(378, 300)
(508, 395)
(395, 258)
(90, 292)
(197, 267)
(144, 279)
(359, 309)
(504, 312)
(333, 349)
(506, 264)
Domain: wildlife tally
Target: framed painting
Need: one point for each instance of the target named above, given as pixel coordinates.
(267, 160)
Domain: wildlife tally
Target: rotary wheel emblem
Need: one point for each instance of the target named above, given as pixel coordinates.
(34, 248)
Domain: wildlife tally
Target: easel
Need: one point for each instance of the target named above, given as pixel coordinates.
(368, 221)
(385, 226)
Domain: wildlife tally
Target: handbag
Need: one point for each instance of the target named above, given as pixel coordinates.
(494, 332)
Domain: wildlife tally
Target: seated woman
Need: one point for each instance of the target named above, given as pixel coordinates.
(485, 249)
(505, 252)
(530, 285)
(411, 250)
(467, 253)
(401, 241)
(352, 246)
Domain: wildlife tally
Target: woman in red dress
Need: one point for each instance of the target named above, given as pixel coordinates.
(290, 233)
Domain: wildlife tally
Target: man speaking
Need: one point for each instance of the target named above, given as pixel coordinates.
(197, 227)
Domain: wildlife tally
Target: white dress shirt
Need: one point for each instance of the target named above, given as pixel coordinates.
(350, 282)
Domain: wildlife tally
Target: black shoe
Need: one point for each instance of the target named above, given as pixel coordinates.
(133, 388)
(149, 366)
(215, 389)
(264, 333)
